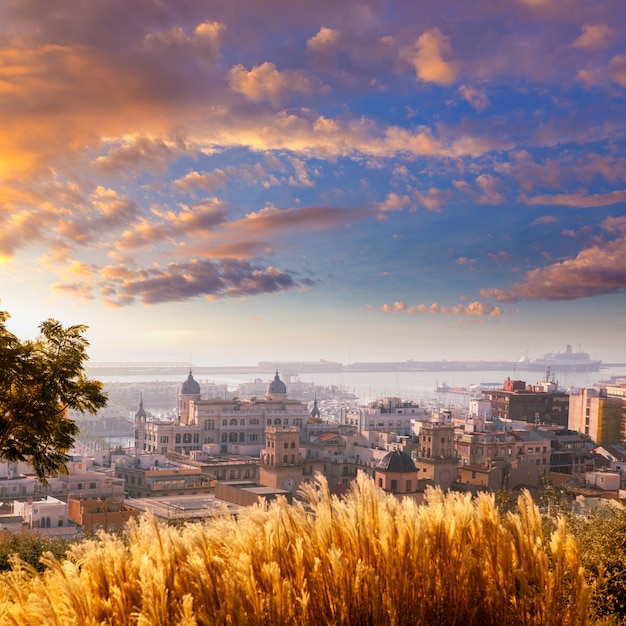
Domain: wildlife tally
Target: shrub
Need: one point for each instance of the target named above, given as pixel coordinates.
(29, 548)
(368, 559)
(602, 540)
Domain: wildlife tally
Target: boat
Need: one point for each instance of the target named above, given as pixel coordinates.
(568, 361)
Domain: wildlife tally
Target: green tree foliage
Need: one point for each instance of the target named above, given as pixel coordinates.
(602, 540)
(30, 547)
(39, 381)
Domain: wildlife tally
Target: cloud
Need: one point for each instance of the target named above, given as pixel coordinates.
(229, 278)
(432, 199)
(595, 271)
(544, 219)
(203, 42)
(499, 257)
(265, 83)
(475, 96)
(577, 200)
(394, 202)
(139, 155)
(427, 57)
(475, 308)
(489, 190)
(324, 42)
(593, 37)
(207, 181)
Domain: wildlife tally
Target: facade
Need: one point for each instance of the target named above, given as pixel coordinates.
(396, 473)
(534, 404)
(386, 415)
(598, 415)
(230, 426)
(153, 476)
(281, 462)
(46, 516)
(570, 451)
(93, 514)
(436, 457)
(507, 457)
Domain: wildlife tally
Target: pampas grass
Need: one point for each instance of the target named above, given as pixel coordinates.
(367, 559)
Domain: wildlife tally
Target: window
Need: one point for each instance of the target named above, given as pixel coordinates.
(224, 422)
(286, 444)
(233, 422)
(178, 438)
(224, 437)
(408, 485)
(293, 444)
(92, 485)
(242, 422)
(394, 485)
(187, 438)
(242, 437)
(232, 437)
(285, 459)
(196, 438)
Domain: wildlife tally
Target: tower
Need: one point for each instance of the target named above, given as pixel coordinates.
(190, 390)
(281, 463)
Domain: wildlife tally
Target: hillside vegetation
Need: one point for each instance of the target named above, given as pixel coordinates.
(368, 559)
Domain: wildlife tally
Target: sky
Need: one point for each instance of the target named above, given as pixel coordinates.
(233, 182)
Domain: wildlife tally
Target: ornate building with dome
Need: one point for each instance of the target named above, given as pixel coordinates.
(217, 425)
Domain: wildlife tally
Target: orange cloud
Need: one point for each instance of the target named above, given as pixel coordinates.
(578, 200)
(265, 82)
(593, 37)
(595, 271)
(475, 308)
(427, 57)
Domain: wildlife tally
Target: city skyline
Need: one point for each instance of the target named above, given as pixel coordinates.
(356, 181)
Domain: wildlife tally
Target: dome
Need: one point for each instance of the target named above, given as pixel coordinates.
(398, 462)
(190, 387)
(277, 387)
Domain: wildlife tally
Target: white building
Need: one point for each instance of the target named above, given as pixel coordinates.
(47, 517)
(386, 415)
(236, 426)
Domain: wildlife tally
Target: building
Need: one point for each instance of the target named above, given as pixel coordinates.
(598, 415)
(46, 516)
(535, 404)
(396, 473)
(281, 462)
(436, 456)
(230, 426)
(93, 514)
(570, 451)
(386, 415)
(150, 476)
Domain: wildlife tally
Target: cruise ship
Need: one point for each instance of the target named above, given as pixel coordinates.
(568, 361)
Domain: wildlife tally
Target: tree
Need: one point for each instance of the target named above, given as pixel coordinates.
(602, 539)
(39, 381)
